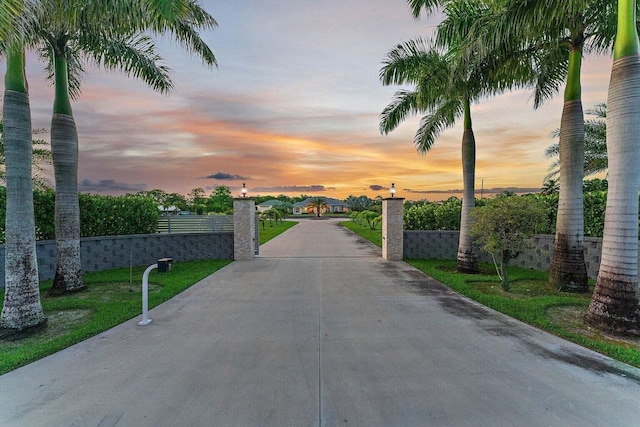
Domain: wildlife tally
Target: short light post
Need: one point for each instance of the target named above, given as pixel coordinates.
(145, 296)
(392, 190)
(165, 265)
(244, 190)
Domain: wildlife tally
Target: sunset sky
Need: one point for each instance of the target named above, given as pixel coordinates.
(293, 108)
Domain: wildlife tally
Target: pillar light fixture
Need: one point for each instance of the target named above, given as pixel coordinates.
(244, 190)
(392, 190)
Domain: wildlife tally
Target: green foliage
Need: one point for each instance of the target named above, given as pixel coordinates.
(99, 215)
(433, 216)
(425, 215)
(595, 204)
(507, 225)
(220, 200)
(117, 215)
(360, 203)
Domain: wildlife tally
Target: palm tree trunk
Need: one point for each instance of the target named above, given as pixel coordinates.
(467, 260)
(64, 150)
(614, 305)
(568, 270)
(22, 308)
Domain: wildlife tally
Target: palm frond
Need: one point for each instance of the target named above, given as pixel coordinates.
(551, 71)
(429, 6)
(186, 35)
(434, 123)
(405, 63)
(403, 103)
(135, 56)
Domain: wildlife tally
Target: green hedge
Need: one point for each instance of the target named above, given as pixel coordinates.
(425, 215)
(99, 215)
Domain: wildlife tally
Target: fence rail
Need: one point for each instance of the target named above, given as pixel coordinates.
(195, 224)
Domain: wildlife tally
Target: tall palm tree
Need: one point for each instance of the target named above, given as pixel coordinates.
(446, 83)
(22, 308)
(107, 32)
(614, 304)
(562, 32)
(595, 145)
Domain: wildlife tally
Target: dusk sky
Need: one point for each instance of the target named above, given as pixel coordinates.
(294, 108)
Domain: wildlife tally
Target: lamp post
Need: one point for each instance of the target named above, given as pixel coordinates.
(392, 190)
(244, 190)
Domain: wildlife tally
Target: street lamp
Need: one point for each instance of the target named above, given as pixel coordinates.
(392, 190)
(244, 190)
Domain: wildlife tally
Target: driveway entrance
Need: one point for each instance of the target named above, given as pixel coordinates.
(319, 330)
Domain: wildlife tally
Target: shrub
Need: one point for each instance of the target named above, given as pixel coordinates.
(507, 225)
(99, 215)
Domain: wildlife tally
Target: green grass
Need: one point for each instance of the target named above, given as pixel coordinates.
(530, 300)
(108, 301)
(272, 230)
(374, 236)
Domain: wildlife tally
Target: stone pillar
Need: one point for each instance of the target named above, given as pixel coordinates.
(392, 229)
(244, 229)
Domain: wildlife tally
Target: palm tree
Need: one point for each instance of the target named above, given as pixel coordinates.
(115, 43)
(446, 84)
(614, 304)
(318, 204)
(40, 156)
(22, 308)
(562, 32)
(595, 145)
(550, 187)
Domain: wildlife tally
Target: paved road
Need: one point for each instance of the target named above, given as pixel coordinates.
(319, 331)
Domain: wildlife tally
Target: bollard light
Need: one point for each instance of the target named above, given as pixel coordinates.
(392, 190)
(244, 190)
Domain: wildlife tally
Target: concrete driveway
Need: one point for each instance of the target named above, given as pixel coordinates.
(319, 331)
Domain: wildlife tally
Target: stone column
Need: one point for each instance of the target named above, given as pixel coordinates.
(244, 229)
(392, 229)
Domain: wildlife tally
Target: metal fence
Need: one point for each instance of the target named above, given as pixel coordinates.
(195, 224)
(174, 224)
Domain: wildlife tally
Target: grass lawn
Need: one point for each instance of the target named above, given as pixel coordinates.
(530, 300)
(374, 236)
(269, 231)
(109, 300)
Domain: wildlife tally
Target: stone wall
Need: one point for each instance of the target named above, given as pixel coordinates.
(444, 245)
(104, 253)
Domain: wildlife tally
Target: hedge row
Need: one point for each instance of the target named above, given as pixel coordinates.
(425, 215)
(99, 215)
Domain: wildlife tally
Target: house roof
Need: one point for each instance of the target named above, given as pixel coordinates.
(272, 202)
(328, 200)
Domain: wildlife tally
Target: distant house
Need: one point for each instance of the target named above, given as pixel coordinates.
(265, 206)
(334, 206)
(169, 210)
